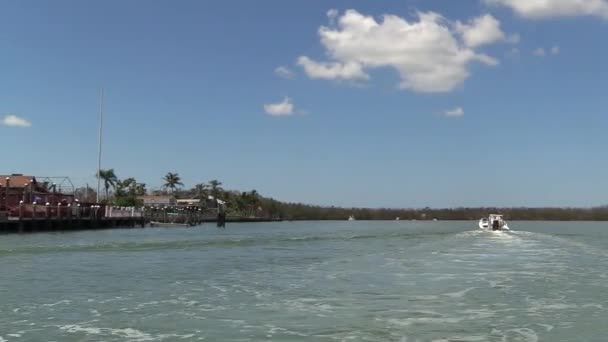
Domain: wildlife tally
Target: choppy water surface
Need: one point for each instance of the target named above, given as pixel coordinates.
(308, 281)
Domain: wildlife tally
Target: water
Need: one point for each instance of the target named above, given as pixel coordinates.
(308, 281)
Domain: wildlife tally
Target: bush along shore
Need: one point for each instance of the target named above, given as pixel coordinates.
(252, 204)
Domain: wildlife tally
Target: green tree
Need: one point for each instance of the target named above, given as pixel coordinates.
(254, 202)
(200, 191)
(109, 180)
(172, 180)
(127, 191)
(216, 188)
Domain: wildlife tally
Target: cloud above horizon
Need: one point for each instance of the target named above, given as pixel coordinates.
(284, 72)
(483, 30)
(14, 121)
(542, 9)
(283, 108)
(430, 53)
(457, 112)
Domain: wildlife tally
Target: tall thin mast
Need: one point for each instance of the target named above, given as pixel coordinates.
(100, 141)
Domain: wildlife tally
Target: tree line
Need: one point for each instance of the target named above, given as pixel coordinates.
(250, 203)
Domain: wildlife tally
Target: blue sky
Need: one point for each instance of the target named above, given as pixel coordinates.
(488, 102)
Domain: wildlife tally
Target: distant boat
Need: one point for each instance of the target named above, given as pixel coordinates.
(351, 218)
(494, 222)
(397, 218)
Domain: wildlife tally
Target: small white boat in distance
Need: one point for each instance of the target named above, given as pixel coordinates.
(351, 218)
(494, 222)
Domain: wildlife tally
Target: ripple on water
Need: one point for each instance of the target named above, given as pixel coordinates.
(362, 285)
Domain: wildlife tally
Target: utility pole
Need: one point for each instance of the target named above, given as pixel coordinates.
(100, 141)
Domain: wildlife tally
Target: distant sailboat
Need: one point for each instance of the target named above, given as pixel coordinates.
(351, 218)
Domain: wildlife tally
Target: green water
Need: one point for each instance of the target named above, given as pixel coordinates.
(308, 281)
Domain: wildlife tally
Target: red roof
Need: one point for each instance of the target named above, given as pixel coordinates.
(17, 181)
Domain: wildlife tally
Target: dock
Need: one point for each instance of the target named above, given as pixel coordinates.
(47, 218)
(58, 218)
(33, 225)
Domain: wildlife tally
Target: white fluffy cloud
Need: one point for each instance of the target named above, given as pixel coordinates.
(332, 71)
(454, 113)
(555, 50)
(430, 53)
(480, 31)
(283, 108)
(14, 121)
(537, 9)
(284, 72)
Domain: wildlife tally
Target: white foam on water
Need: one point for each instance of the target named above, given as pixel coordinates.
(308, 305)
(406, 322)
(459, 294)
(444, 277)
(141, 305)
(529, 335)
(234, 321)
(183, 337)
(14, 335)
(129, 334)
(221, 289)
(540, 306)
(59, 302)
(473, 314)
(462, 339)
(2, 339)
(425, 297)
(558, 307)
(132, 334)
(272, 329)
(258, 294)
(547, 327)
(75, 328)
(209, 307)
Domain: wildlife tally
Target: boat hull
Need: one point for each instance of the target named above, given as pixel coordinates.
(484, 224)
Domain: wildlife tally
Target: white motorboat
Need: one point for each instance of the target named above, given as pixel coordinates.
(495, 223)
(351, 218)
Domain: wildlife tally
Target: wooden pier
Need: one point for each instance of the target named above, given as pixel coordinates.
(55, 218)
(30, 218)
(33, 225)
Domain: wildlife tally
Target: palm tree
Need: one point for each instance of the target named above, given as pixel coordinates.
(215, 187)
(201, 190)
(109, 180)
(172, 180)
